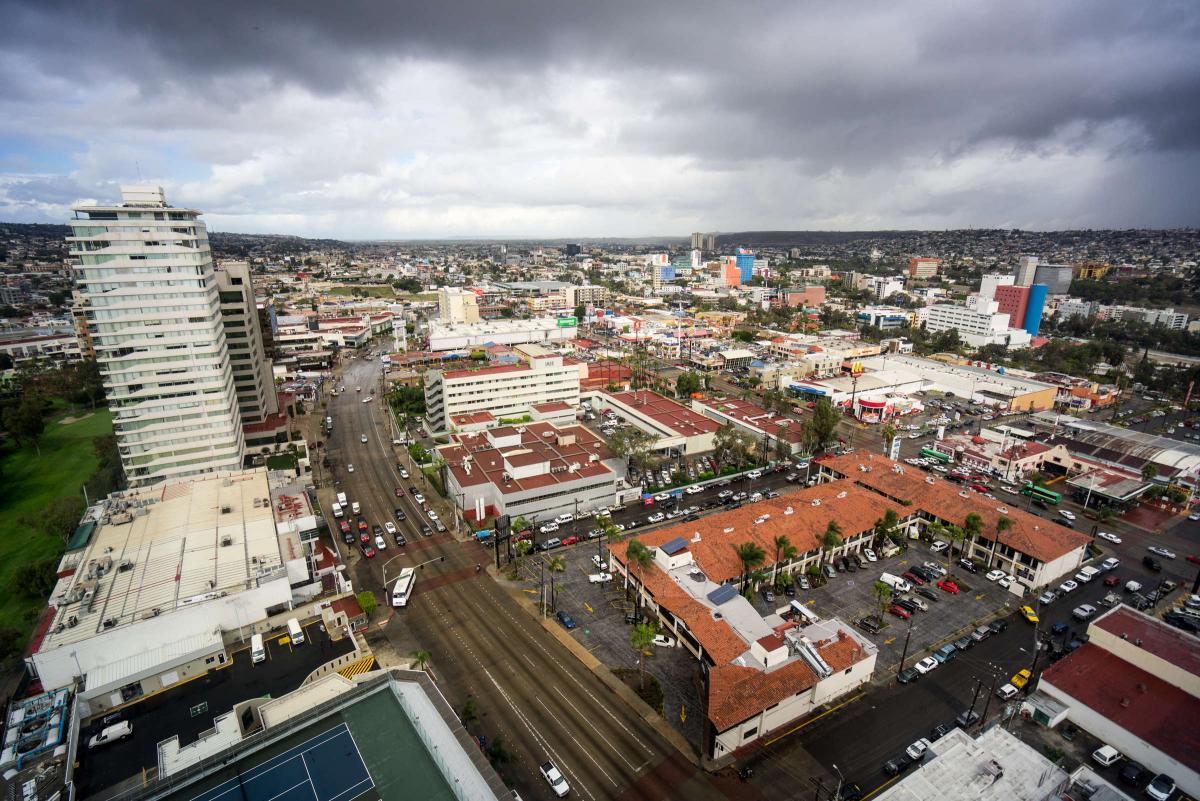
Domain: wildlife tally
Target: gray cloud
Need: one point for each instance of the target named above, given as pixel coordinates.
(473, 117)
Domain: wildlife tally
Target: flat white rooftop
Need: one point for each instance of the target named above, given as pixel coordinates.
(164, 547)
(995, 767)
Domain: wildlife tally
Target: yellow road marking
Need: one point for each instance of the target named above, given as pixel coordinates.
(889, 641)
(588, 607)
(883, 786)
(814, 720)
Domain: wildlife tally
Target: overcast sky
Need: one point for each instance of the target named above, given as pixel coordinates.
(559, 118)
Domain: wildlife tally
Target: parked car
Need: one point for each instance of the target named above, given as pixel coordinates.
(908, 675)
(1106, 755)
(554, 778)
(663, 641)
(945, 653)
(566, 620)
(998, 626)
(1152, 563)
(926, 665)
(1021, 678)
(1029, 614)
(899, 611)
(1084, 612)
(968, 565)
(871, 624)
(1161, 787)
(949, 586)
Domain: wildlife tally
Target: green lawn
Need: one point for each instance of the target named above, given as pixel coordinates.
(384, 291)
(31, 483)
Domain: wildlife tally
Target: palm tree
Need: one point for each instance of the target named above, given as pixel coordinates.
(972, 527)
(420, 659)
(883, 594)
(638, 556)
(885, 527)
(831, 539)
(1149, 471)
(782, 547)
(887, 433)
(641, 637)
(952, 534)
(751, 555)
(1002, 525)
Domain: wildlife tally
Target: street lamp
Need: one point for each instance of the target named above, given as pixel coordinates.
(841, 780)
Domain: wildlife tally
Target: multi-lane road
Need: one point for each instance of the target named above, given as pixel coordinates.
(527, 689)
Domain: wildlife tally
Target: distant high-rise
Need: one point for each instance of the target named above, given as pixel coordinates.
(923, 267)
(146, 275)
(457, 305)
(572, 251)
(745, 264)
(697, 241)
(253, 377)
(1026, 269)
(710, 242)
(1056, 277)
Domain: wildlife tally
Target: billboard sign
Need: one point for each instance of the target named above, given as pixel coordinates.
(567, 322)
(894, 450)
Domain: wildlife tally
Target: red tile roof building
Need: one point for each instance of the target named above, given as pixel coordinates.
(756, 421)
(1037, 551)
(536, 471)
(1136, 686)
(761, 671)
(672, 424)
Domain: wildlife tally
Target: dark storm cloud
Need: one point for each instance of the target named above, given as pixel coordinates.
(837, 96)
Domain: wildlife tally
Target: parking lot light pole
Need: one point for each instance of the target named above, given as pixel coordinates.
(837, 795)
(904, 652)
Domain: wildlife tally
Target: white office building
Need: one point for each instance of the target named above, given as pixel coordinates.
(154, 314)
(508, 390)
(253, 378)
(978, 324)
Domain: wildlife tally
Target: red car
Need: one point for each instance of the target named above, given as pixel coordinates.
(362, 525)
(399, 492)
(571, 540)
(368, 552)
(364, 537)
(527, 534)
(913, 578)
(949, 586)
(979, 488)
(899, 611)
(1111, 581)
(345, 527)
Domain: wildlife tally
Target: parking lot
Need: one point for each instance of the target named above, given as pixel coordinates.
(850, 597)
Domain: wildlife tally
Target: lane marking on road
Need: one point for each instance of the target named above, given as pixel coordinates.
(571, 677)
(615, 750)
(585, 751)
(559, 762)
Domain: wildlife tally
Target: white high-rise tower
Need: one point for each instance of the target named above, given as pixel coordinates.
(146, 276)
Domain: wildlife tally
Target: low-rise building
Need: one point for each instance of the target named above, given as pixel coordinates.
(444, 336)
(673, 425)
(536, 471)
(159, 574)
(782, 433)
(1135, 685)
(1035, 550)
(508, 390)
(982, 325)
(923, 267)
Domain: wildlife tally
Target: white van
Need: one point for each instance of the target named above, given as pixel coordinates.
(111, 734)
(895, 582)
(295, 633)
(1086, 574)
(337, 510)
(341, 496)
(258, 651)
(354, 507)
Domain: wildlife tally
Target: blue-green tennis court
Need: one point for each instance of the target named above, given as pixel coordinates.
(328, 767)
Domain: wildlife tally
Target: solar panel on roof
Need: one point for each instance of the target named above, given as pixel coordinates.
(672, 547)
(720, 595)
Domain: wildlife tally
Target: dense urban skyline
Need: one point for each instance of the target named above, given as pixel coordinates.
(609, 120)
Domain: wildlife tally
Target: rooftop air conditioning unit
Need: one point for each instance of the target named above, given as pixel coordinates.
(226, 510)
(226, 541)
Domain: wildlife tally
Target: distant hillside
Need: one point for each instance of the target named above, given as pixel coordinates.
(801, 238)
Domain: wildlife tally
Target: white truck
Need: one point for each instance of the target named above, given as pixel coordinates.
(337, 510)
(341, 498)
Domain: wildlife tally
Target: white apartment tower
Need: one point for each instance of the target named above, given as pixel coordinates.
(457, 305)
(146, 274)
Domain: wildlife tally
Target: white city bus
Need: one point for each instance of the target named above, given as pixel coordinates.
(404, 586)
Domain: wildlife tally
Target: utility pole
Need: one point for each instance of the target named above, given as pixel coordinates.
(974, 698)
(991, 694)
(904, 653)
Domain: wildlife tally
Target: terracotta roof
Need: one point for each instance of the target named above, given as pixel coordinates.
(951, 503)
(552, 406)
(855, 511)
(758, 417)
(666, 412)
(1166, 642)
(473, 417)
(1139, 702)
(738, 693)
(539, 442)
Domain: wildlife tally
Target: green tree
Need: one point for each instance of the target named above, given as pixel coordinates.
(1002, 525)
(1149, 471)
(470, 713)
(420, 659)
(61, 517)
(887, 434)
(751, 555)
(555, 564)
(638, 558)
(886, 527)
(366, 600)
(972, 526)
(952, 535)
(831, 539)
(641, 637)
(731, 446)
(24, 421)
(784, 551)
(883, 596)
(36, 579)
(635, 446)
(687, 383)
(497, 752)
(820, 426)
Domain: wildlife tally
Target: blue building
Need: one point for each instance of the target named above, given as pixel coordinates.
(1034, 308)
(745, 264)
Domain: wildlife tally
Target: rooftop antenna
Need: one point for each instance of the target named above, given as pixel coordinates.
(138, 166)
